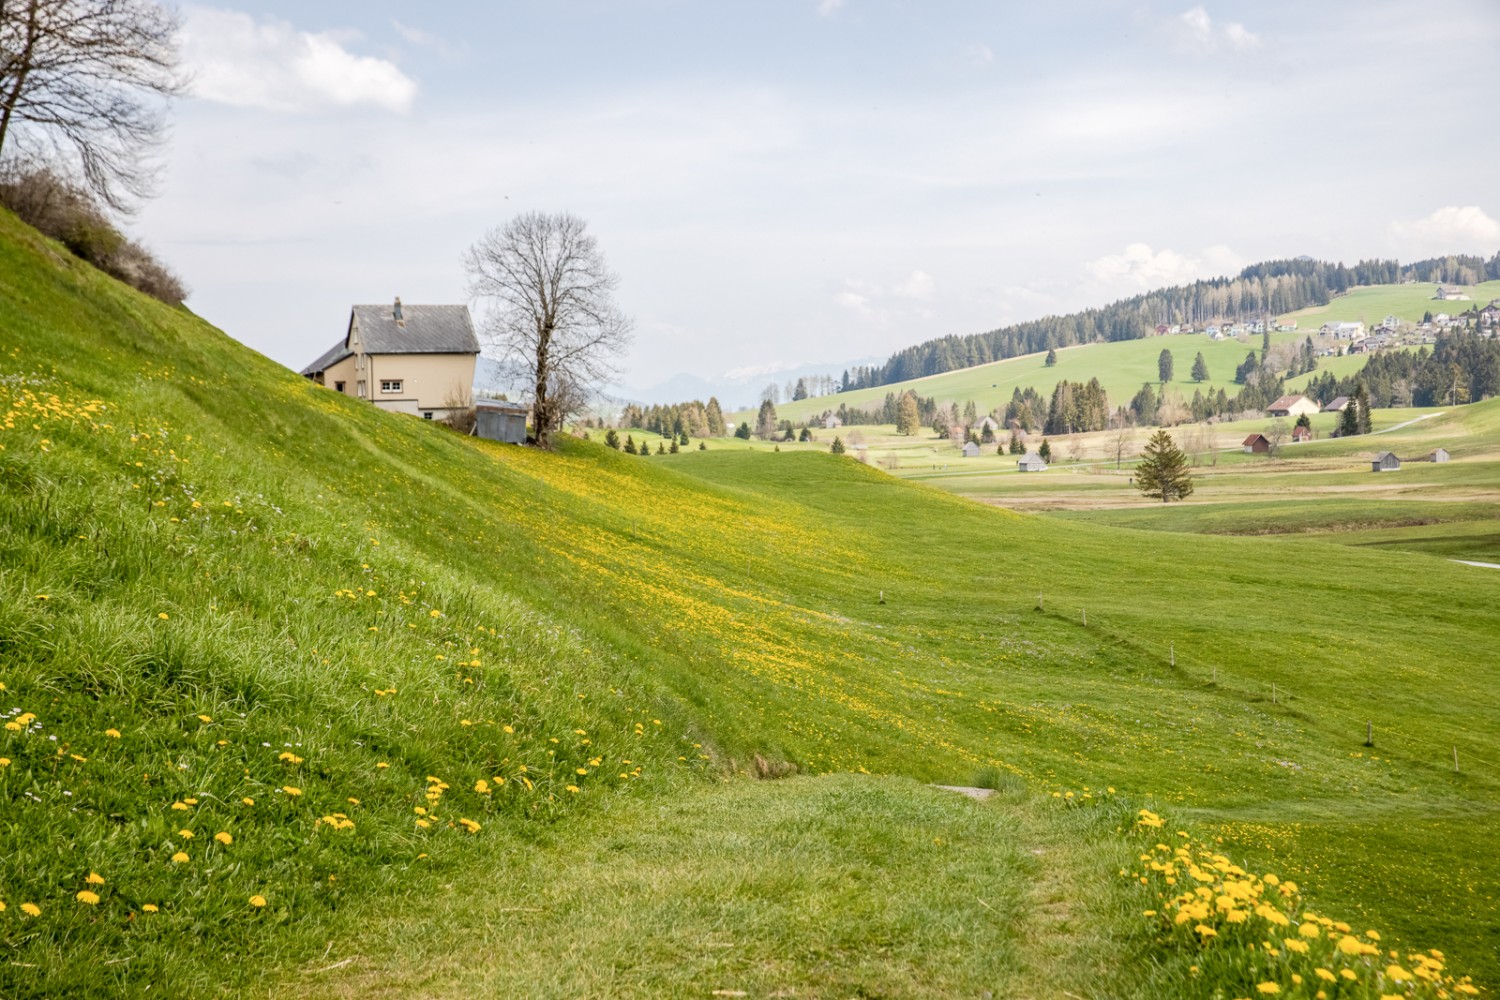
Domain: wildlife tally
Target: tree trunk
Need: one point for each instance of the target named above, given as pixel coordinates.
(23, 64)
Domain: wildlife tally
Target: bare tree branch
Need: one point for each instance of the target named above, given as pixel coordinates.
(88, 80)
(550, 309)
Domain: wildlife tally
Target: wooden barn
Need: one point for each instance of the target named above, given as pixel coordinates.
(1256, 444)
(1386, 461)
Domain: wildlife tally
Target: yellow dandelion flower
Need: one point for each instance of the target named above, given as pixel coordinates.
(382, 764)
(181, 806)
(1396, 974)
(191, 802)
(91, 898)
(424, 824)
(113, 734)
(257, 901)
(1300, 947)
(1270, 989)
(149, 908)
(573, 788)
(290, 790)
(31, 909)
(1310, 930)
(1373, 935)
(162, 615)
(205, 718)
(1348, 974)
(352, 801)
(4, 762)
(185, 834)
(434, 613)
(1326, 975)
(248, 801)
(482, 787)
(95, 879)
(179, 857)
(224, 838)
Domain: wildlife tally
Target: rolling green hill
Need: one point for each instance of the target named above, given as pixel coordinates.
(1123, 366)
(478, 719)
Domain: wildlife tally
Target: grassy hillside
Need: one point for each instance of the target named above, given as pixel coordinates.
(1374, 303)
(473, 718)
(1121, 367)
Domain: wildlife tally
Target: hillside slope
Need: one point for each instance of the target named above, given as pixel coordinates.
(376, 656)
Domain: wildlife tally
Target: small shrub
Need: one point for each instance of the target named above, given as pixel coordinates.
(54, 206)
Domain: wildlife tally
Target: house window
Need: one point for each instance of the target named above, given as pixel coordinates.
(390, 385)
(338, 387)
(426, 414)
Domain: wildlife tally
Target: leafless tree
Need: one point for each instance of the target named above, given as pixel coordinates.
(1276, 434)
(550, 310)
(1121, 442)
(1198, 442)
(89, 79)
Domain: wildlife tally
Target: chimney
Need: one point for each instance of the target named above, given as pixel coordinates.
(396, 312)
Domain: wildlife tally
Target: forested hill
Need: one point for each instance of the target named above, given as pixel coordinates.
(1259, 291)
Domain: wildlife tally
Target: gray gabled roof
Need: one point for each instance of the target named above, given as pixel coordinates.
(424, 330)
(428, 330)
(338, 352)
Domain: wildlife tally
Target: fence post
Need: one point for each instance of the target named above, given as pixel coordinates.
(1085, 617)
(1369, 734)
(1172, 653)
(1455, 760)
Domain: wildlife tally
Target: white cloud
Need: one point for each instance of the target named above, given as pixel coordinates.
(235, 59)
(1139, 268)
(1452, 229)
(977, 54)
(917, 285)
(1196, 32)
(827, 8)
(428, 40)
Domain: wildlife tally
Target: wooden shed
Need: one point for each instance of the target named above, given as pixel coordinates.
(498, 420)
(1031, 462)
(1301, 433)
(970, 449)
(1385, 462)
(1439, 455)
(1256, 444)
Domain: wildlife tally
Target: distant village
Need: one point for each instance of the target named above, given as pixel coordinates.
(1340, 338)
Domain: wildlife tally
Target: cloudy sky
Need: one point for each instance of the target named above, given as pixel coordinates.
(793, 181)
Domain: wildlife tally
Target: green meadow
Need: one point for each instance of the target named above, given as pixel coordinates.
(476, 719)
(1122, 367)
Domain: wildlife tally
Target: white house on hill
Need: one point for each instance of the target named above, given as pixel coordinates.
(410, 359)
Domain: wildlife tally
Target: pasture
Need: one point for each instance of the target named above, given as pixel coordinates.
(474, 717)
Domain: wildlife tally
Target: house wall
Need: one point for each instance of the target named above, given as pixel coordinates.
(343, 372)
(428, 381)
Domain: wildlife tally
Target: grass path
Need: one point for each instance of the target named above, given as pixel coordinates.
(833, 886)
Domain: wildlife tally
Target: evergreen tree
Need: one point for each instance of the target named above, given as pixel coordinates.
(612, 439)
(988, 436)
(1016, 447)
(805, 436)
(1200, 368)
(629, 445)
(837, 447)
(800, 392)
(907, 419)
(1045, 451)
(715, 418)
(674, 449)
(1163, 470)
(1164, 365)
(1304, 421)
(702, 445)
(1265, 346)
(682, 439)
(1051, 356)
(742, 432)
(765, 421)
(1361, 401)
(1349, 421)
